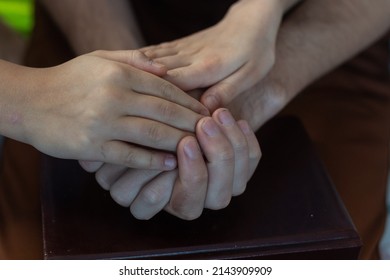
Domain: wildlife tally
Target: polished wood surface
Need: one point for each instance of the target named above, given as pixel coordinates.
(290, 210)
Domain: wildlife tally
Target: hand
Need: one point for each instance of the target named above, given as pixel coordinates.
(263, 101)
(209, 180)
(99, 107)
(230, 57)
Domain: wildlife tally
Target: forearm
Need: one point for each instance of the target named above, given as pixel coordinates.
(96, 24)
(14, 96)
(322, 34)
(315, 38)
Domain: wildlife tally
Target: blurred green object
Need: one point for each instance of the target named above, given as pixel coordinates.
(18, 14)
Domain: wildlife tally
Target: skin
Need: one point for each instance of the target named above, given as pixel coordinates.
(76, 30)
(112, 123)
(151, 192)
(208, 174)
(229, 57)
(302, 42)
(205, 59)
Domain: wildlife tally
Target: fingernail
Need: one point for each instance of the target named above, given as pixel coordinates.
(170, 162)
(225, 118)
(210, 127)
(211, 102)
(191, 149)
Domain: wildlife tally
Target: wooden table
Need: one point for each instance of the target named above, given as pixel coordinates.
(289, 211)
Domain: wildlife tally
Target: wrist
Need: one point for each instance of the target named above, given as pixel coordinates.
(15, 99)
(262, 17)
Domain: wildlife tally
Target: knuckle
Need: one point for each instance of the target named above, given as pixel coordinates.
(129, 158)
(226, 92)
(240, 145)
(221, 202)
(212, 65)
(155, 133)
(167, 90)
(226, 155)
(113, 71)
(137, 55)
(152, 196)
(256, 153)
(167, 110)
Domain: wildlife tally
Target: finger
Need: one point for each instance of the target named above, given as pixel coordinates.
(122, 153)
(174, 61)
(223, 92)
(134, 58)
(162, 111)
(153, 197)
(239, 143)
(90, 166)
(126, 188)
(195, 75)
(108, 174)
(149, 84)
(159, 52)
(253, 144)
(189, 192)
(220, 156)
(147, 133)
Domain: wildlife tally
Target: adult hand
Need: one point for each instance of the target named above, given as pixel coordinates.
(261, 102)
(103, 107)
(230, 56)
(209, 180)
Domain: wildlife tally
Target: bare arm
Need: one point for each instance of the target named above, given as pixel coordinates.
(92, 108)
(229, 57)
(325, 33)
(317, 37)
(96, 24)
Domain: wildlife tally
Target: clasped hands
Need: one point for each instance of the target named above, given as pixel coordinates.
(215, 155)
(213, 158)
